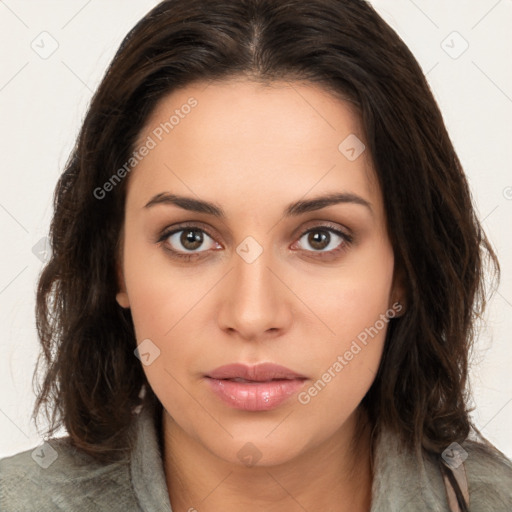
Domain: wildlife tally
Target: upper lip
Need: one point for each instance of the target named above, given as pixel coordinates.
(259, 373)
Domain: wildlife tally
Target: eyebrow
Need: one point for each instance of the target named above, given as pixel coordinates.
(292, 210)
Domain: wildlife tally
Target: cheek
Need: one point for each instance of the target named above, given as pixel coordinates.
(150, 289)
(354, 310)
(353, 297)
(164, 300)
(344, 369)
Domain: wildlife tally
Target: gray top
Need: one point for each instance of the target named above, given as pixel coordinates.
(59, 477)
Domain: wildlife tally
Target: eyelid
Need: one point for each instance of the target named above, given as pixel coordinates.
(199, 226)
(327, 225)
(172, 230)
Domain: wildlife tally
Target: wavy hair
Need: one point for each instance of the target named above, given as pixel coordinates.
(91, 378)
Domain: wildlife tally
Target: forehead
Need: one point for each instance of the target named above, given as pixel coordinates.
(281, 139)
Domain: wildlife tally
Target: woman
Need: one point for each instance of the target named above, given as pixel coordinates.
(264, 276)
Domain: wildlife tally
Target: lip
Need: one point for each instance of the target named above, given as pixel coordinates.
(260, 387)
(261, 372)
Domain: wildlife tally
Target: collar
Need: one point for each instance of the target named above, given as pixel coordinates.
(400, 481)
(146, 464)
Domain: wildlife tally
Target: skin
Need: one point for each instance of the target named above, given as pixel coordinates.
(253, 150)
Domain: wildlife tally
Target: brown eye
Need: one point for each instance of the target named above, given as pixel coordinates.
(324, 242)
(191, 239)
(322, 238)
(318, 239)
(187, 241)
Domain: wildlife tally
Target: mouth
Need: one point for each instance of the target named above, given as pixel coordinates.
(254, 388)
(262, 372)
(239, 379)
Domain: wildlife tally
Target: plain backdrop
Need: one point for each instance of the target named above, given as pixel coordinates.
(53, 55)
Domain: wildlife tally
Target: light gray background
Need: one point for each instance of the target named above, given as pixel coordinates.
(43, 99)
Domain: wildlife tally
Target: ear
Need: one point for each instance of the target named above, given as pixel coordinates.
(122, 295)
(398, 296)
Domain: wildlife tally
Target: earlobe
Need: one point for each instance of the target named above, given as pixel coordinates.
(123, 300)
(399, 307)
(399, 302)
(121, 296)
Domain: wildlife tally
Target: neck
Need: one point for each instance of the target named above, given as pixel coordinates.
(335, 475)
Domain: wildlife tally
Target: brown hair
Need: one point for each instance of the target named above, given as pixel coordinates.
(92, 378)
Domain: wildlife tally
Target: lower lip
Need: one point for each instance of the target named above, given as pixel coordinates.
(259, 396)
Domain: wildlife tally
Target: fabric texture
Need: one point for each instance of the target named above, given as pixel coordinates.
(76, 482)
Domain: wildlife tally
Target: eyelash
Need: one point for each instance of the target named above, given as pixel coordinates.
(343, 246)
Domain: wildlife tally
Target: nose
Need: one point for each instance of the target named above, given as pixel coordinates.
(255, 301)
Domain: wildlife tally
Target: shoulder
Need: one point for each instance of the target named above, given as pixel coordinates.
(404, 481)
(58, 476)
(489, 475)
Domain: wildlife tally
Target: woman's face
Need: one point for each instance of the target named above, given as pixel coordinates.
(274, 275)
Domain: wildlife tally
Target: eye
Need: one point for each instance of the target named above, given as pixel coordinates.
(184, 242)
(325, 240)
